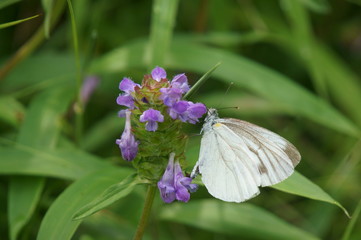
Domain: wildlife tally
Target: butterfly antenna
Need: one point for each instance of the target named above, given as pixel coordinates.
(225, 93)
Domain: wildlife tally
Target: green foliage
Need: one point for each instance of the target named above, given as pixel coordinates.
(242, 220)
(295, 69)
(9, 24)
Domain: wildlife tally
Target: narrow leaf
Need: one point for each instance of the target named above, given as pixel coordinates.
(241, 220)
(58, 223)
(351, 225)
(65, 164)
(9, 24)
(40, 131)
(161, 31)
(23, 201)
(48, 9)
(299, 185)
(11, 111)
(109, 196)
(200, 82)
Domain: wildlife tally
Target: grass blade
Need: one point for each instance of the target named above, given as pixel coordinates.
(9, 24)
(108, 197)
(241, 220)
(200, 82)
(58, 223)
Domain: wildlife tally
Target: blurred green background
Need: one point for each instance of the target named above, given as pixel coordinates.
(295, 65)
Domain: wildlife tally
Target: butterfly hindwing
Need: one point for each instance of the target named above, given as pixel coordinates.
(236, 157)
(276, 156)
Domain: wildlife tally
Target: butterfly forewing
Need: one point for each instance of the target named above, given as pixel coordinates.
(236, 157)
(223, 174)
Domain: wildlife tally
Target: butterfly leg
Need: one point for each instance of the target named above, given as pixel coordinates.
(195, 170)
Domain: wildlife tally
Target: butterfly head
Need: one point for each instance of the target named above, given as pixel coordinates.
(211, 119)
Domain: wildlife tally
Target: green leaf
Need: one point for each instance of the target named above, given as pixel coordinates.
(5, 3)
(299, 185)
(200, 82)
(24, 194)
(42, 121)
(59, 69)
(65, 164)
(58, 223)
(9, 24)
(325, 67)
(161, 31)
(48, 9)
(351, 225)
(109, 196)
(11, 111)
(40, 131)
(241, 220)
(273, 86)
(102, 131)
(319, 6)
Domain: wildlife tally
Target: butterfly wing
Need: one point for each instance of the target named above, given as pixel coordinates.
(276, 157)
(236, 157)
(224, 174)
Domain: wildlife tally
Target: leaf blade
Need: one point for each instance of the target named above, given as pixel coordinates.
(58, 223)
(221, 217)
(108, 197)
(299, 185)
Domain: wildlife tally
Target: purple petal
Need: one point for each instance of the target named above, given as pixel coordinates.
(127, 143)
(196, 110)
(151, 126)
(122, 112)
(170, 95)
(89, 85)
(158, 73)
(125, 100)
(180, 107)
(181, 183)
(182, 193)
(180, 81)
(166, 184)
(151, 115)
(167, 192)
(127, 85)
(178, 110)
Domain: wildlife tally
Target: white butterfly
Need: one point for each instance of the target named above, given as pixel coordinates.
(236, 157)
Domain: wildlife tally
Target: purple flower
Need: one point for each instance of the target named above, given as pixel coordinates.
(127, 85)
(170, 95)
(174, 185)
(126, 100)
(195, 111)
(187, 111)
(180, 81)
(127, 143)
(178, 110)
(166, 184)
(152, 117)
(158, 73)
(89, 85)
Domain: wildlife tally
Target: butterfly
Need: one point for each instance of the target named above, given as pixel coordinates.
(236, 157)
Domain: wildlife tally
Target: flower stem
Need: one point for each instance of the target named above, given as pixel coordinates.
(146, 211)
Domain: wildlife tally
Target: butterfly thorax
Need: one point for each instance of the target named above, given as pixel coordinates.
(212, 118)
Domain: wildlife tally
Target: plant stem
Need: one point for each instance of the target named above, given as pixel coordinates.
(146, 211)
(79, 108)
